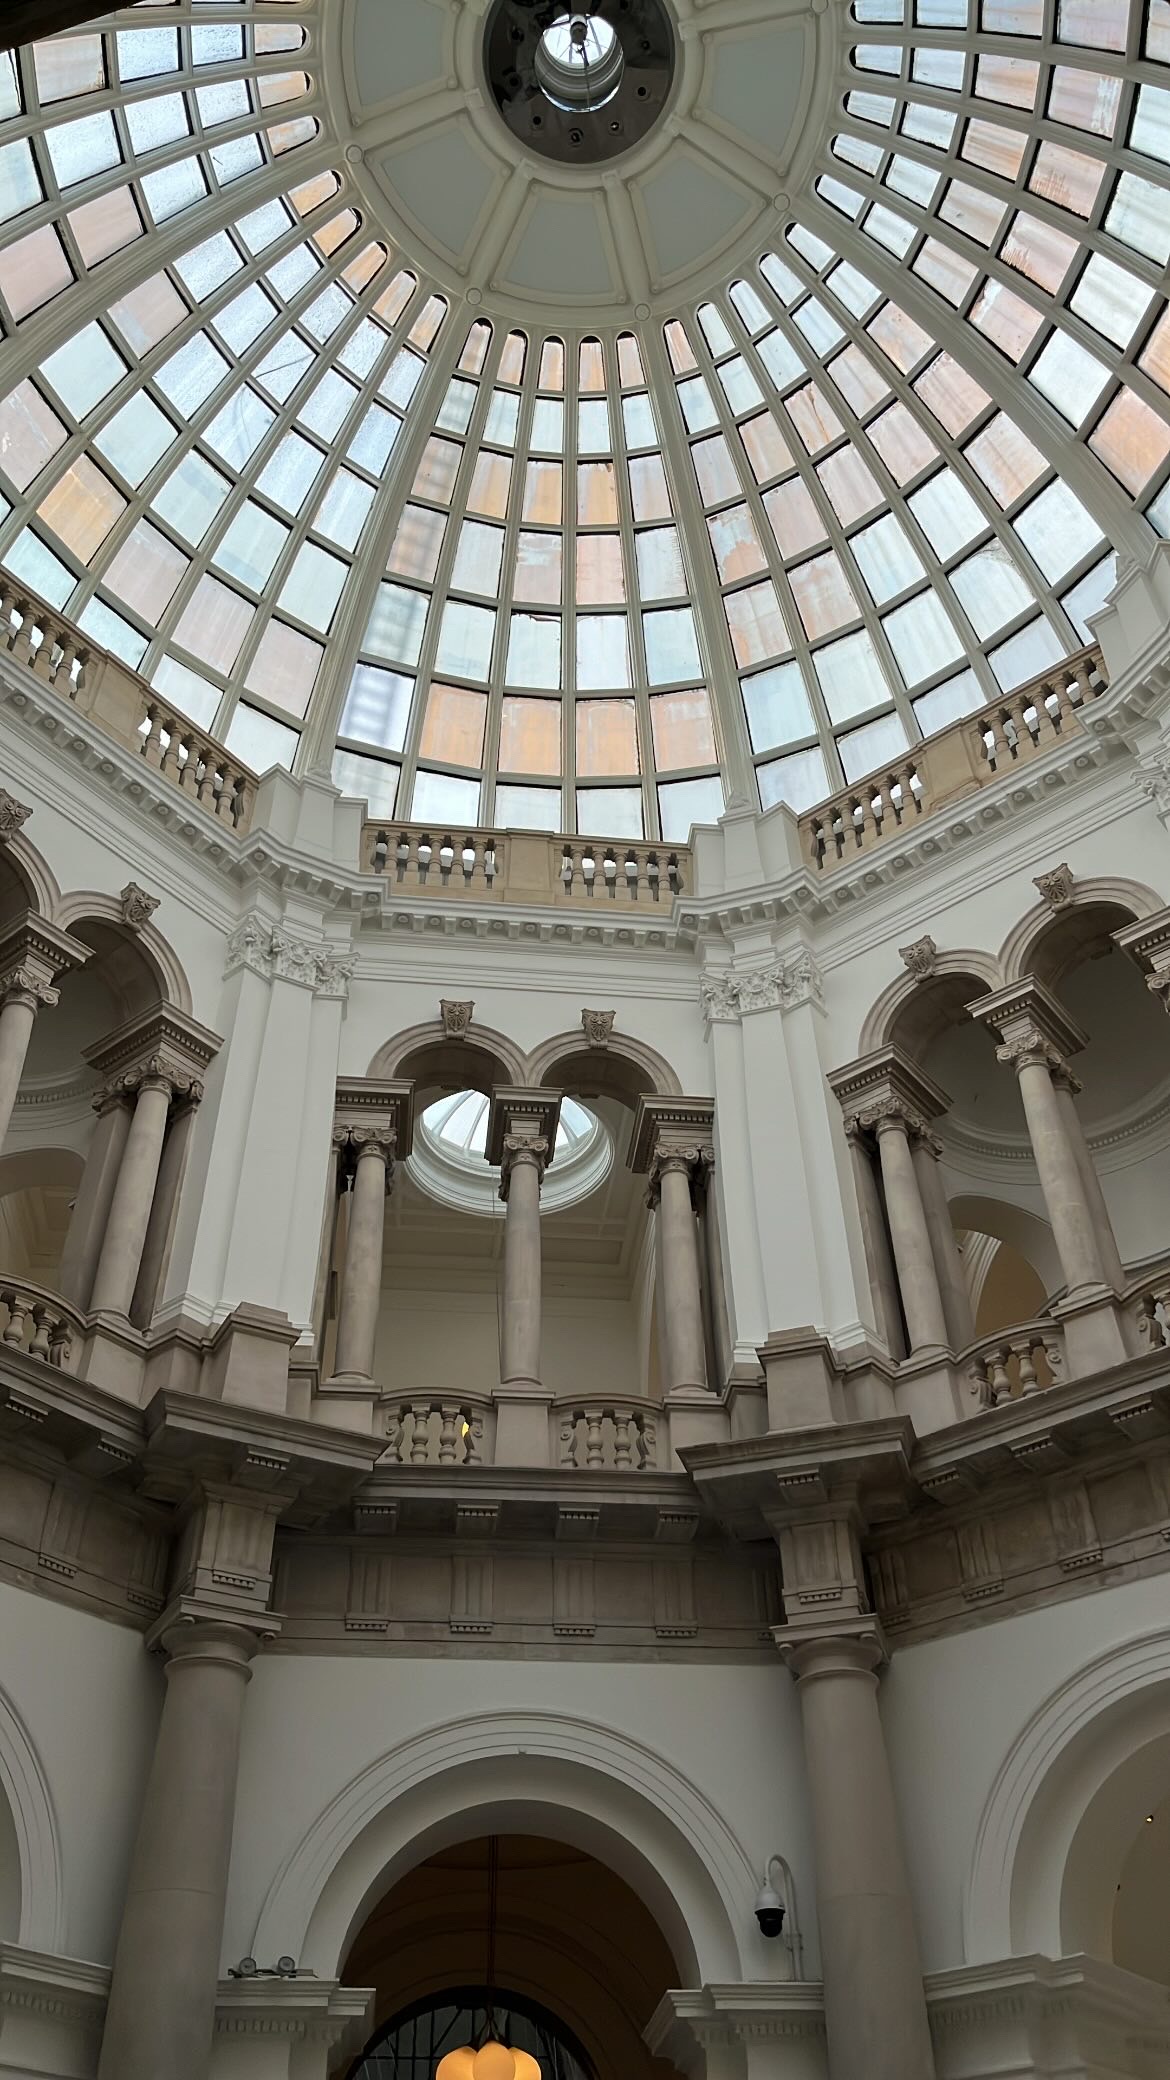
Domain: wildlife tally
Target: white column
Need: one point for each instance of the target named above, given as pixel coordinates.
(883, 1278)
(18, 1009)
(948, 1264)
(133, 1196)
(32, 954)
(1067, 1091)
(671, 1173)
(909, 1234)
(91, 1208)
(361, 1279)
(875, 2006)
(1036, 1062)
(160, 1228)
(161, 2014)
(522, 1169)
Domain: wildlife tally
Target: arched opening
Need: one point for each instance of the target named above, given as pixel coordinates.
(580, 1962)
(38, 1191)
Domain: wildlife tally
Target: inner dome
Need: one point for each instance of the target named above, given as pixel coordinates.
(573, 505)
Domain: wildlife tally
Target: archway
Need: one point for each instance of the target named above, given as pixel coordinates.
(574, 1946)
(38, 1188)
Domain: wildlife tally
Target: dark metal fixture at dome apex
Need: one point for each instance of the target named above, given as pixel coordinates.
(579, 84)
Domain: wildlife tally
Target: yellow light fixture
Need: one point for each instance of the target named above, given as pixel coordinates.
(489, 2060)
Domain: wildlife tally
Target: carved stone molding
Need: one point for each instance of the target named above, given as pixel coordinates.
(522, 1148)
(1153, 781)
(163, 1046)
(33, 954)
(278, 955)
(372, 1113)
(137, 906)
(676, 1132)
(1057, 888)
(13, 814)
(787, 983)
(456, 1016)
(597, 1027)
(522, 1127)
(1030, 1025)
(887, 1089)
(920, 958)
(1148, 943)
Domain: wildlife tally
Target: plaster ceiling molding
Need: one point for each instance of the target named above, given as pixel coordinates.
(446, 175)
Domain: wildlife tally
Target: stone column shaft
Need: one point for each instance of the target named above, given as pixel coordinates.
(1090, 1184)
(361, 1282)
(879, 1262)
(910, 1235)
(91, 1208)
(133, 1197)
(520, 1325)
(164, 1206)
(1073, 1227)
(875, 2007)
(161, 2014)
(17, 1013)
(948, 1265)
(682, 1300)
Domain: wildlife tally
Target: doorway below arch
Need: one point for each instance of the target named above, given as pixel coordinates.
(579, 1957)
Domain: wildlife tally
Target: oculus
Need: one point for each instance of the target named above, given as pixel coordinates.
(579, 85)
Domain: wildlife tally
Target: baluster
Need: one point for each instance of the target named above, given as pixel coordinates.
(42, 663)
(674, 873)
(652, 876)
(448, 1432)
(17, 1307)
(609, 869)
(467, 857)
(446, 861)
(632, 876)
(472, 1455)
(1022, 1352)
(402, 855)
(420, 1437)
(7, 603)
(63, 676)
(396, 1435)
(588, 869)
(647, 1442)
(39, 1341)
(999, 1381)
(569, 1441)
(594, 1447)
(424, 853)
(60, 1342)
(623, 1423)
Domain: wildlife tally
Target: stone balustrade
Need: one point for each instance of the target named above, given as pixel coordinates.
(524, 866)
(121, 703)
(1014, 1362)
(959, 760)
(599, 1432)
(1152, 1309)
(435, 1430)
(37, 1322)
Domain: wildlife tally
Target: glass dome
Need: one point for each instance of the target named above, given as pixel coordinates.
(448, 1163)
(493, 568)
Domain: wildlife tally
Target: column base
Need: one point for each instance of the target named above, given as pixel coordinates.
(522, 1423)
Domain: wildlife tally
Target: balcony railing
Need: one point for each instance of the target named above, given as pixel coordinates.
(121, 703)
(1005, 735)
(526, 866)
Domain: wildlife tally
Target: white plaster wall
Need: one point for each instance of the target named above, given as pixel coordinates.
(953, 1708)
(312, 1724)
(448, 1341)
(88, 1695)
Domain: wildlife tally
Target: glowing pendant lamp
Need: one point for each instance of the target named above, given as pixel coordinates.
(489, 2059)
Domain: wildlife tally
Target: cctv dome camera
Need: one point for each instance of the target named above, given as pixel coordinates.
(769, 1911)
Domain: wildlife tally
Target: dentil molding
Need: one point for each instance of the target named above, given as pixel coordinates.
(789, 982)
(278, 955)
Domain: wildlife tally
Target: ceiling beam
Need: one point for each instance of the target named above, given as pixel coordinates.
(27, 21)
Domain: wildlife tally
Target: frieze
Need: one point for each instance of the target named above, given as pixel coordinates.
(278, 955)
(784, 986)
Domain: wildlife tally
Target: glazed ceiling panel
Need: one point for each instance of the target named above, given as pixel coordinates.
(582, 501)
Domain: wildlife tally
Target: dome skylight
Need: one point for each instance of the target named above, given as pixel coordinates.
(447, 1160)
(573, 577)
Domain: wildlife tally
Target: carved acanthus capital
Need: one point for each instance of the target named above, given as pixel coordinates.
(1031, 1027)
(517, 1150)
(597, 1027)
(25, 983)
(1057, 888)
(456, 1014)
(160, 1049)
(785, 984)
(694, 1162)
(920, 958)
(890, 1113)
(13, 814)
(356, 1140)
(1030, 1048)
(137, 906)
(887, 1092)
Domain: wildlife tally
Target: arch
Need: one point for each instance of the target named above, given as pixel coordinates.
(1021, 1230)
(34, 878)
(24, 1786)
(429, 1054)
(146, 945)
(27, 1168)
(546, 1773)
(1055, 1769)
(624, 1068)
(893, 1011)
(1023, 942)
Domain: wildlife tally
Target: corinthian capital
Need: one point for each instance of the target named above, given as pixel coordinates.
(25, 983)
(693, 1161)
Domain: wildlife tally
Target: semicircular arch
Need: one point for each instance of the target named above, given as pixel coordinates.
(35, 879)
(1019, 949)
(1019, 1229)
(889, 1014)
(428, 1053)
(23, 1784)
(158, 957)
(625, 1067)
(514, 1773)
